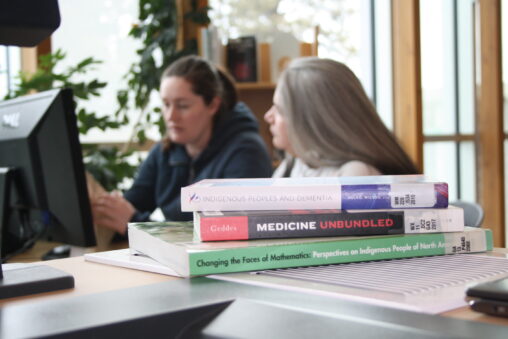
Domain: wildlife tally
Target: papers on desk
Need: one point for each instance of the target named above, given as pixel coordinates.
(134, 260)
(427, 284)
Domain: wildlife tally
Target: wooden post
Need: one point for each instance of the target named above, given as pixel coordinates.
(30, 55)
(187, 29)
(264, 62)
(489, 119)
(305, 49)
(407, 93)
(315, 44)
(180, 11)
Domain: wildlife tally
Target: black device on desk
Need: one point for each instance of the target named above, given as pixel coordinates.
(490, 297)
(43, 192)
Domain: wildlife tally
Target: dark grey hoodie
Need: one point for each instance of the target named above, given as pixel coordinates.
(236, 150)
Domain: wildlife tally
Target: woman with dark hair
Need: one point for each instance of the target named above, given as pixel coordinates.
(209, 134)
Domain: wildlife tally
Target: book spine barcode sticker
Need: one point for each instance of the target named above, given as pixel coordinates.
(416, 195)
(429, 220)
(466, 243)
(404, 200)
(429, 225)
(465, 246)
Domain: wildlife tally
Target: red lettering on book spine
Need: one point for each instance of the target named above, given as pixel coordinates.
(224, 228)
(362, 223)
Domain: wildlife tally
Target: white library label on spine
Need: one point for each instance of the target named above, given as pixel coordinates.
(422, 195)
(434, 220)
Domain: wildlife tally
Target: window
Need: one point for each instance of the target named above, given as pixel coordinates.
(382, 46)
(357, 33)
(447, 27)
(10, 65)
(99, 28)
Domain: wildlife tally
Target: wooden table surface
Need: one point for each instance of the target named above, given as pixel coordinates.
(94, 278)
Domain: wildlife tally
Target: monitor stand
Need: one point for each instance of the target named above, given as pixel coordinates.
(31, 279)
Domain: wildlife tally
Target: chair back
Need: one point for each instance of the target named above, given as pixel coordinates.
(473, 212)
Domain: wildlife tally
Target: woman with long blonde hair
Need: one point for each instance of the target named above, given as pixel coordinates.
(323, 120)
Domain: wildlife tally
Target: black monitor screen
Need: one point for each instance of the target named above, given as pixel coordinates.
(39, 141)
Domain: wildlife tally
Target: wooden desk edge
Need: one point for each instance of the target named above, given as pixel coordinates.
(92, 278)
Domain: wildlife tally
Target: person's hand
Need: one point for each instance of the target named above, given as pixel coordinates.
(113, 211)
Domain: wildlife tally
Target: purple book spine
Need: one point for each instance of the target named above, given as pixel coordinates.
(385, 197)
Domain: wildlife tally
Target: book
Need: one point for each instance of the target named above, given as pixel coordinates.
(241, 54)
(172, 244)
(348, 193)
(210, 45)
(243, 225)
(128, 258)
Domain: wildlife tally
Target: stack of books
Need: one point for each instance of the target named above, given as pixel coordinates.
(258, 224)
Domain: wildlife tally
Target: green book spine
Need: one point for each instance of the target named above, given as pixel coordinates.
(345, 250)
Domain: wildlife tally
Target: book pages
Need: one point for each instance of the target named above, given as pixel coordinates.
(428, 284)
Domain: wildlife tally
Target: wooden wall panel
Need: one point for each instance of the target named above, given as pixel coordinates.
(259, 100)
(407, 98)
(489, 120)
(30, 55)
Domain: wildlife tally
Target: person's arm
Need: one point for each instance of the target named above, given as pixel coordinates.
(114, 211)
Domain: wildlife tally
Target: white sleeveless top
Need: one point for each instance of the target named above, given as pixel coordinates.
(300, 169)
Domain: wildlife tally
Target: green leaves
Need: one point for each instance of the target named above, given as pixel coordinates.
(199, 15)
(46, 77)
(158, 30)
(109, 165)
(88, 120)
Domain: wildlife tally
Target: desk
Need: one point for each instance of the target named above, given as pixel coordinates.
(112, 278)
(41, 247)
(92, 278)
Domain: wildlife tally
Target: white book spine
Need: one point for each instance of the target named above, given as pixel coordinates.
(273, 197)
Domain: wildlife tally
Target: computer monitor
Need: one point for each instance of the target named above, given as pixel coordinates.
(43, 192)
